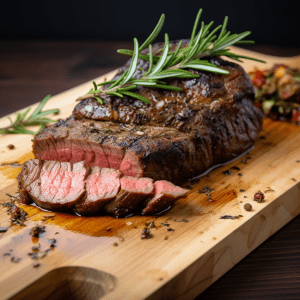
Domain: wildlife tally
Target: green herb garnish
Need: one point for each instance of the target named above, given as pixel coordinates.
(35, 119)
(173, 64)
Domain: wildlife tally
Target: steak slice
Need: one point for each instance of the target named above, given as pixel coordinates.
(133, 192)
(57, 186)
(30, 173)
(102, 186)
(165, 194)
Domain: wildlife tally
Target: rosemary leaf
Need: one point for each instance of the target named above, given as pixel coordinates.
(98, 99)
(173, 64)
(154, 33)
(137, 96)
(19, 125)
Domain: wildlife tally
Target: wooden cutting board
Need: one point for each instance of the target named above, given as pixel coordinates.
(191, 246)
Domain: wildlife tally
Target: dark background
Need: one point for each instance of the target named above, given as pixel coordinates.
(271, 22)
(47, 47)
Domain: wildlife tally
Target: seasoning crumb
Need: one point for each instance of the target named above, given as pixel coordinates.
(214, 238)
(46, 218)
(170, 229)
(37, 230)
(235, 168)
(52, 242)
(241, 190)
(269, 190)
(206, 190)
(240, 174)
(11, 147)
(294, 179)
(36, 265)
(181, 220)
(160, 279)
(17, 215)
(245, 196)
(298, 161)
(146, 233)
(248, 207)
(166, 237)
(262, 137)
(244, 161)
(121, 239)
(36, 248)
(109, 229)
(227, 172)
(4, 229)
(128, 223)
(230, 217)
(165, 224)
(15, 259)
(150, 224)
(115, 244)
(38, 255)
(259, 197)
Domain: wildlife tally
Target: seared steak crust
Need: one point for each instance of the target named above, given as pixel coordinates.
(183, 110)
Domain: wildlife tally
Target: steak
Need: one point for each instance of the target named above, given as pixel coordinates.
(178, 136)
(133, 192)
(165, 194)
(65, 186)
(102, 186)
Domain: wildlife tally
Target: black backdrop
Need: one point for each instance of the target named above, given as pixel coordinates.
(271, 22)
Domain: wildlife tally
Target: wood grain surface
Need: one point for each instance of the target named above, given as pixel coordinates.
(273, 264)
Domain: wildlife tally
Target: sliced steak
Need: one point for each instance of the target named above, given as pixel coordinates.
(165, 194)
(133, 192)
(65, 186)
(59, 185)
(30, 172)
(102, 186)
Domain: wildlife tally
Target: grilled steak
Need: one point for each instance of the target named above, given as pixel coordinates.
(176, 137)
(64, 186)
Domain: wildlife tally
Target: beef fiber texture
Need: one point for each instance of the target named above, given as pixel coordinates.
(65, 186)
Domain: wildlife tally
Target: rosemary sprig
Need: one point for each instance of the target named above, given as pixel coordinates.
(35, 119)
(173, 64)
